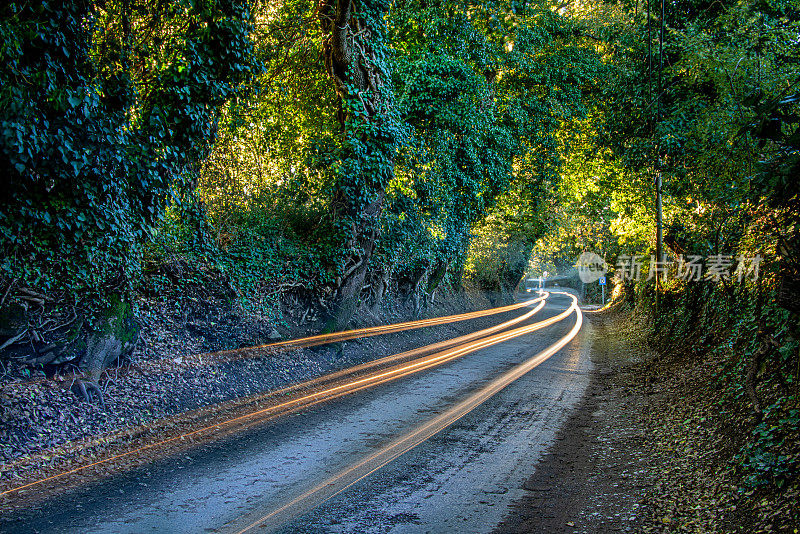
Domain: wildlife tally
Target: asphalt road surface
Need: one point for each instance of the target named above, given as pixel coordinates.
(343, 465)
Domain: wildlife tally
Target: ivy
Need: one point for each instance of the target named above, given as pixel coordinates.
(105, 111)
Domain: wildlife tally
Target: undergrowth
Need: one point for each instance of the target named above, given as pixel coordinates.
(752, 343)
(258, 256)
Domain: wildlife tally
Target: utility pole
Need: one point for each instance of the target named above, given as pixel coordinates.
(659, 211)
(659, 220)
(649, 60)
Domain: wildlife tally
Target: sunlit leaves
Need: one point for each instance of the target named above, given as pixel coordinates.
(106, 109)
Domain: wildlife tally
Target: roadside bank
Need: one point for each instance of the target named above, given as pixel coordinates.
(652, 448)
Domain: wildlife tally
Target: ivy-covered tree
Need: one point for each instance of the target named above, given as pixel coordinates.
(485, 87)
(356, 58)
(106, 111)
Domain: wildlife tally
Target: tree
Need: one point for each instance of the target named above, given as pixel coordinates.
(106, 110)
(356, 58)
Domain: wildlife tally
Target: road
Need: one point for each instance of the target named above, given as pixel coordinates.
(446, 449)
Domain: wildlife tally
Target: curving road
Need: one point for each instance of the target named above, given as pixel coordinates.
(445, 449)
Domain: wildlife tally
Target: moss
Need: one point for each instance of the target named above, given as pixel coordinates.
(117, 321)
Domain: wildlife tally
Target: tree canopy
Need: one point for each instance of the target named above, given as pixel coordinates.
(337, 150)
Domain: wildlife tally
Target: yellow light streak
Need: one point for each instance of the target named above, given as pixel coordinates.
(316, 382)
(334, 337)
(210, 358)
(349, 476)
(334, 392)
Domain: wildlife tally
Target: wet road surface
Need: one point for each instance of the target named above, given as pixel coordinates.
(462, 479)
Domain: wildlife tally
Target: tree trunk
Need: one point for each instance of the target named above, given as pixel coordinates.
(379, 287)
(354, 32)
(363, 237)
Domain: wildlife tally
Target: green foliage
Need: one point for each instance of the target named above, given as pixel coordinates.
(468, 133)
(479, 91)
(264, 256)
(765, 460)
(484, 88)
(105, 111)
(723, 134)
(756, 344)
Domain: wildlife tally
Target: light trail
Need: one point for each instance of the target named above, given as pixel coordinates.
(311, 399)
(414, 352)
(344, 479)
(346, 335)
(262, 415)
(217, 357)
(258, 399)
